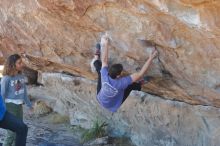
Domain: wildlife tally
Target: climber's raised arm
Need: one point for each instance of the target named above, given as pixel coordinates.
(104, 50)
(138, 75)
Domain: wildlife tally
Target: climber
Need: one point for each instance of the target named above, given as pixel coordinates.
(112, 89)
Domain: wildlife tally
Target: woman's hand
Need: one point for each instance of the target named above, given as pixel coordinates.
(31, 111)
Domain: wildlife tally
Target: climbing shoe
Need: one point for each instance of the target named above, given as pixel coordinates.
(145, 80)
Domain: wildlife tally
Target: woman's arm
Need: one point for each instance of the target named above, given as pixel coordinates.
(26, 98)
(4, 86)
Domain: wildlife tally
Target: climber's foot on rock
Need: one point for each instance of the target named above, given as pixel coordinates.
(96, 57)
(145, 80)
(98, 50)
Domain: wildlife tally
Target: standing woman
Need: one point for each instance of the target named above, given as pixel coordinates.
(14, 92)
(10, 122)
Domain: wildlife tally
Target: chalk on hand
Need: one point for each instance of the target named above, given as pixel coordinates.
(107, 35)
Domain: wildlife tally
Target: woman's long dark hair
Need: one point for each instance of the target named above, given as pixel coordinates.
(10, 65)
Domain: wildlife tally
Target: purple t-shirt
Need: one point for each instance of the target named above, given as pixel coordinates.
(112, 91)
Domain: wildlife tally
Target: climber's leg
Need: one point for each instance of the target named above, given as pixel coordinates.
(134, 86)
(98, 66)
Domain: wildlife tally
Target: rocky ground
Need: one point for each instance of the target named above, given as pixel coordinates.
(44, 132)
(54, 130)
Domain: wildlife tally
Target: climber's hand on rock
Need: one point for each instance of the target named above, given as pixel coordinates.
(154, 54)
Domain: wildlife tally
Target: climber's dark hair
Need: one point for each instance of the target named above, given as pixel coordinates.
(115, 70)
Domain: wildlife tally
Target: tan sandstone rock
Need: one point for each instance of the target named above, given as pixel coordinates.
(59, 35)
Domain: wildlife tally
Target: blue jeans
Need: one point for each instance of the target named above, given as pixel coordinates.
(10, 122)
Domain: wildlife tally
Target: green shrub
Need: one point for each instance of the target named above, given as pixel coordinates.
(98, 130)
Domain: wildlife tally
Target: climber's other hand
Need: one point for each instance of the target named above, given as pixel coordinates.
(154, 54)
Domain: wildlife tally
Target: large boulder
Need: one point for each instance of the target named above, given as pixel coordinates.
(148, 120)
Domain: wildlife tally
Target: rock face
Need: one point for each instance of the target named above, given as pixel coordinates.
(59, 36)
(148, 120)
